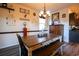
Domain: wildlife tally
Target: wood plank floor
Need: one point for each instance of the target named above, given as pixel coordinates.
(71, 49)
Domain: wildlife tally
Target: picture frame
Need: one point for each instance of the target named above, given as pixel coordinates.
(55, 18)
(22, 10)
(64, 15)
(25, 11)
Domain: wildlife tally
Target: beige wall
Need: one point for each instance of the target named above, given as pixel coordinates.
(74, 8)
(32, 24)
(7, 40)
(65, 21)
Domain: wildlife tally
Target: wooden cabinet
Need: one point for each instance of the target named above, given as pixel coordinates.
(74, 36)
(73, 19)
(56, 29)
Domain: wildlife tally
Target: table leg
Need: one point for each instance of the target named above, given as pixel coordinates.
(29, 52)
(60, 37)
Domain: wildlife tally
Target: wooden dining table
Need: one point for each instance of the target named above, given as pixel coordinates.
(34, 42)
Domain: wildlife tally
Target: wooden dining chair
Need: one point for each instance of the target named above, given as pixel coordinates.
(23, 51)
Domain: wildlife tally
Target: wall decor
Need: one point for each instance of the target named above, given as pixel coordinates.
(22, 10)
(24, 23)
(24, 19)
(0, 4)
(4, 4)
(10, 20)
(63, 15)
(34, 14)
(7, 20)
(25, 16)
(25, 11)
(55, 18)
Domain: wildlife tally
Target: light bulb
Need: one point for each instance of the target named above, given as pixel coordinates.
(44, 15)
(41, 12)
(48, 13)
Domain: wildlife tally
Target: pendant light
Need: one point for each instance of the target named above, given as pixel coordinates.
(44, 14)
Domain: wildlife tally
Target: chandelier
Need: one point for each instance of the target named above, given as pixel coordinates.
(44, 14)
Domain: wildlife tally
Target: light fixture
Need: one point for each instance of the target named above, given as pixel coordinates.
(44, 14)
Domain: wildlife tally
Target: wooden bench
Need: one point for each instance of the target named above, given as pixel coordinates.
(50, 49)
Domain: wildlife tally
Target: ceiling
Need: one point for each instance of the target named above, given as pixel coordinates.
(49, 6)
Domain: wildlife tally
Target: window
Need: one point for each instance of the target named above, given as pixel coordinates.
(41, 24)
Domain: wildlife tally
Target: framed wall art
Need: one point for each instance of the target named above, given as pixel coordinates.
(22, 10)
(64, 15)
(25, 11)
(24, 14)
(55, 18)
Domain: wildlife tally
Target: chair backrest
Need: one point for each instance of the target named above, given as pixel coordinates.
(20, 40)
(22, 47)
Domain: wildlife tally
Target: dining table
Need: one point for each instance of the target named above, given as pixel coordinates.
(33, 42)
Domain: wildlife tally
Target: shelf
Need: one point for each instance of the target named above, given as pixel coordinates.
(7, 8)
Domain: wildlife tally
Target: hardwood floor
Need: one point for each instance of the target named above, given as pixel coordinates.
(71, 49)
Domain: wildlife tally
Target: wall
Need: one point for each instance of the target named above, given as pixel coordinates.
(74, 8)
(65, 22)
(7, 40)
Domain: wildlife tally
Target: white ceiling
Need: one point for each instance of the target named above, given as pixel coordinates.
(49, 6)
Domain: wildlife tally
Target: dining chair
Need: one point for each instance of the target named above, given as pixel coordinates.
(23, 51)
